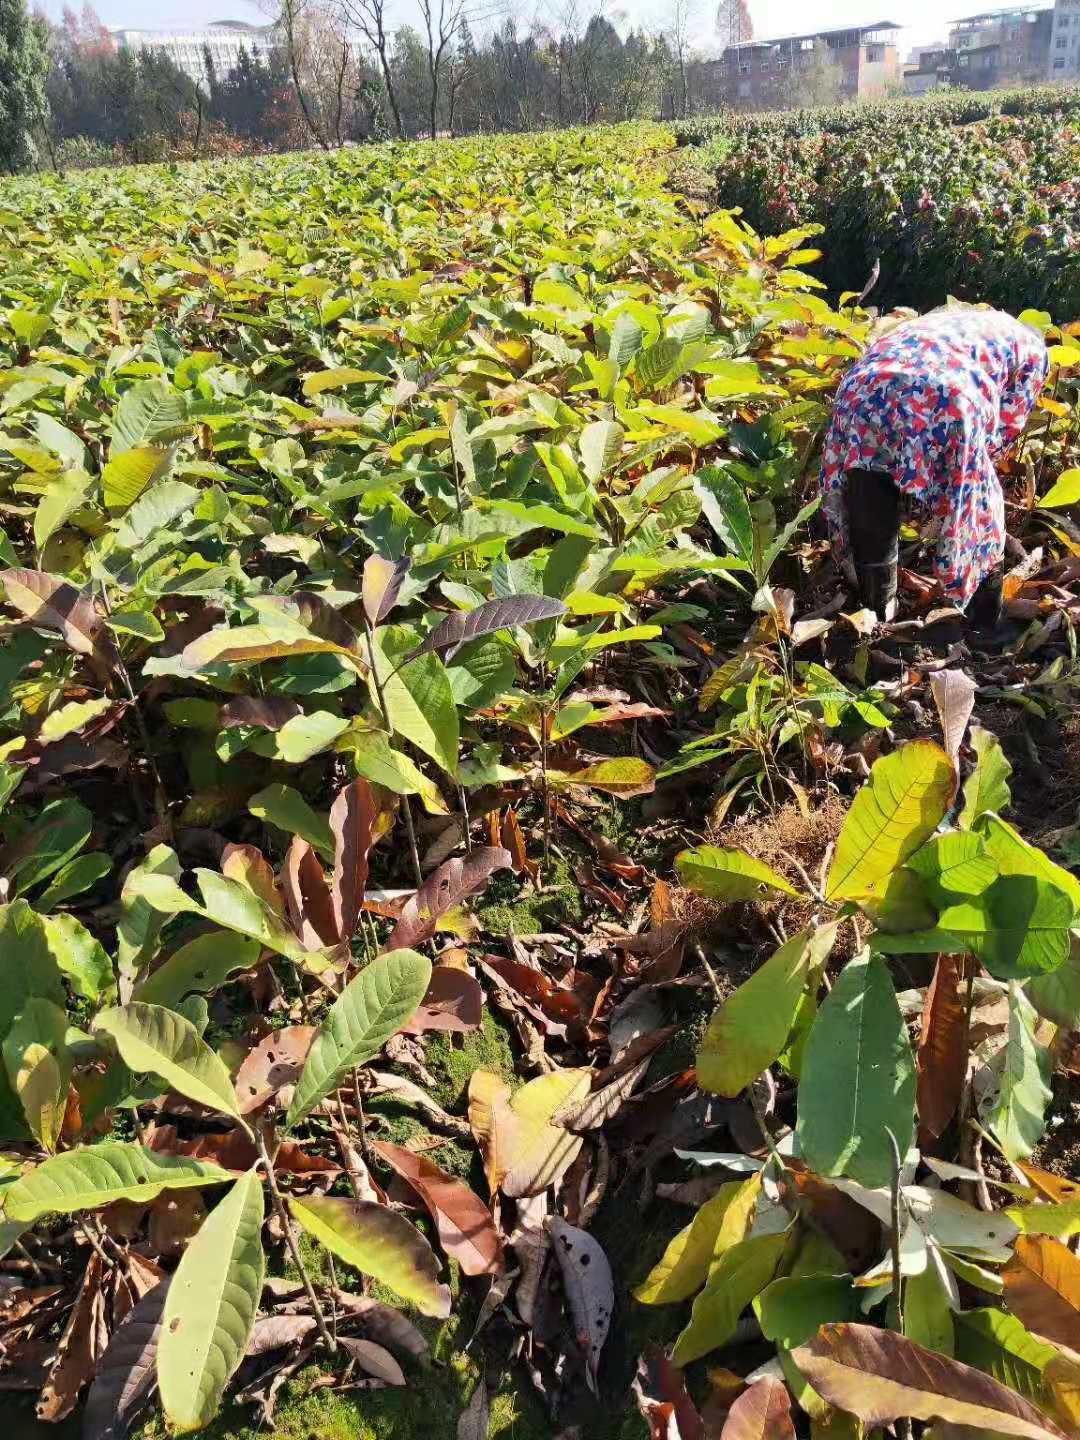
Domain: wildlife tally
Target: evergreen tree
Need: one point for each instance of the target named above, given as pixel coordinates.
(23, 65)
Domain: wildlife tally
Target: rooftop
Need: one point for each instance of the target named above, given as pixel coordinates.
(815, 35)
(1002, 14)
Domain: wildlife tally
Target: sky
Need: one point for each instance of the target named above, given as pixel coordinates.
(924, 21)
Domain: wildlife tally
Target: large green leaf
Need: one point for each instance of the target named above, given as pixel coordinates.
(156, 1041)
(691, 1255)
(987, 787)
(199, 966)
(235, 907)
(858, 1077)
(27, 963)
(378, 1242)
(420, 703)
(743, 1273)
(127, 475)
(750, 1028)
(1018, 1116)
(1056, 996)
(66, 494)
(288, 811)
(601, 444)
(96, 1175)
(1018, 927)
(78, 955)
(728, 874)
(899, 807)
(1015, 856)
(725, 506)
(210, 1307)
(371, 1008)
(39, 1065)
(139, 927)
(150, 412)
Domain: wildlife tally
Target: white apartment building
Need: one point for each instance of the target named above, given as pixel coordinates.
(187, 49)
(1064, 63)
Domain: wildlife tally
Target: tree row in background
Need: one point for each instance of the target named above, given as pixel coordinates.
(70, 96)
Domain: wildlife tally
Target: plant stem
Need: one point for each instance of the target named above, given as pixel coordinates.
(463, 800)
(415, 854)
(297, 1259)
(544, 787)
(897, 1278)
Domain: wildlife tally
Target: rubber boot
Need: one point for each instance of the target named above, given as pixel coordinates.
(990, 628)
(873, 515)
(986, 607)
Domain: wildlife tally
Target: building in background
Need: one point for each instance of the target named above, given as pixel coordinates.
(992, 48)
(222, 40)
(859, 62)
(1064, 59)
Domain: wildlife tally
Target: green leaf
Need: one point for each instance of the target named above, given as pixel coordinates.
(378, 1242)
(750, 1028)
(987, 787)
(62, 441)
(39, 1066)
(1064, 491)
(306, 735)
(61, 830)
(999, 1344)
(1018, 927)
(896, 811)
(1018, 1117)
(725, 506)
(625, 341)
(210, 1307)
(791, 1309)
(154, 512)
(743, 1273)
(288, 811)
(66, 494)
(127, 475)
(235, 907)
(149, 412)
(27, 962)
(728, 874)
(78, 955)
(956, 863)
(858, 1078)
(156, 1041)
(927, 1312)
(372, 1007)
(1015, 856)
(685, 1265)
(200, 966)
(72, 717)
(600, 444)
(1056, 996)
(140, 923)
(96, 1175)
(420, 703)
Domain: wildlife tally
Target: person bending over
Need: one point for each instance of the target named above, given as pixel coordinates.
(922, 414)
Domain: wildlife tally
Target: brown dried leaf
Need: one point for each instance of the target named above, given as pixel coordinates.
(274, 1332)
(81, 1346)
(555, 1007)
(307, 896)
(274, 1063)
(267, 712)
(880, 1376)
(466, 1230)
(373, 1359)
(53, 604)
(125, 1376)
(475, 1420)
(761, 1413)
(386, 1324)
(449, 886)
(1042, 1288)
(942, 1056)
(352, 819)
(381, 586)
(174, 1217)
(954, 696)
(454, 1001)
(662, 1398)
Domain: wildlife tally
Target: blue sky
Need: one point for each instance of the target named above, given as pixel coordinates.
(924, 20)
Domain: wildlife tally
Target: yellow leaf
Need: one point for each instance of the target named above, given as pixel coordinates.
(899, 807)
(691, 1256)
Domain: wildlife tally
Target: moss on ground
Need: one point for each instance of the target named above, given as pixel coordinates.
(509, 905)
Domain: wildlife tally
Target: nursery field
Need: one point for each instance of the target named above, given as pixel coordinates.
(494, 941)
(973, 195)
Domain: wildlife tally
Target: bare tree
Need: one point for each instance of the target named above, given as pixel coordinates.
(678, 37)
(443, 22)
(291, 17)
(733, 23)
(369, 18)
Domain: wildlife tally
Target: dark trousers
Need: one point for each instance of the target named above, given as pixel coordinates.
(873, 512)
